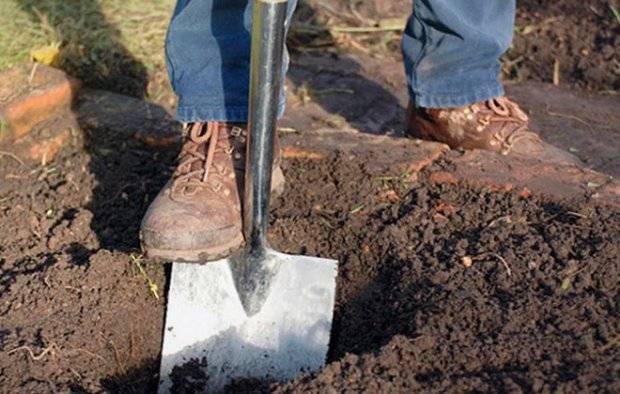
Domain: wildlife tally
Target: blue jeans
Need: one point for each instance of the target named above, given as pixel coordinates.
(451, 51)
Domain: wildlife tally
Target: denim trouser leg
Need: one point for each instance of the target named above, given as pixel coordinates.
(451, 50)
(208, 58)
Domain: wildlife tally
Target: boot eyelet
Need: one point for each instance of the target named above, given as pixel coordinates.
(189, 190)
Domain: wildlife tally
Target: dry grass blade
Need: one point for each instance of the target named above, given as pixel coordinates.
(136, 260)
(500, 258)
(12, 156)
(614, 11)
(50, 349)
(364, 29)
(497, 256)
(336, 13)
(567, 116)
(311, 28)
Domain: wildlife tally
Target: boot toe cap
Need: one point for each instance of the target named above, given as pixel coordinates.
(174, 227)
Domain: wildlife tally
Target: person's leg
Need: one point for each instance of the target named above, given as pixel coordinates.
(208, 58)
(451, 50)
(197, 215)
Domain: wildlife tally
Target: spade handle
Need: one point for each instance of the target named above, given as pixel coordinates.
(268, 32)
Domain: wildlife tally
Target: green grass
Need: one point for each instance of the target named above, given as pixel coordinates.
(103, 42)
(18, 34)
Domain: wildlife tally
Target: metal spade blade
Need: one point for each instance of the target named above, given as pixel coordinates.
(206, 321)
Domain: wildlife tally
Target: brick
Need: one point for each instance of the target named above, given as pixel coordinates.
(31, 94)
(45, 151)
(45, 140)
(609, 194)
(292, 152)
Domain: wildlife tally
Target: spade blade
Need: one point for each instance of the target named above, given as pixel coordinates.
(210, 341)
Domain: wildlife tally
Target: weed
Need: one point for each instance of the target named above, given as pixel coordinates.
(136, 260)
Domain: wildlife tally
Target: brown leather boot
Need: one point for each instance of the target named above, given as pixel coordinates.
(498, 125)
(196, 217)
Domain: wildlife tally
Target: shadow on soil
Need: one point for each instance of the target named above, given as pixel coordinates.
(92, 48)
(128, 173)
(339, 84)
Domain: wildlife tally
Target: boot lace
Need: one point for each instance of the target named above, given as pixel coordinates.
(513, 122)
(197, 168)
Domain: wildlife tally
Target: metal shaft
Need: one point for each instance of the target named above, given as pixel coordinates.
(268, 33)
(254, 270)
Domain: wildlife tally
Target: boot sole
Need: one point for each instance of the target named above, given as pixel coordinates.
(215, 252)
(196, 255)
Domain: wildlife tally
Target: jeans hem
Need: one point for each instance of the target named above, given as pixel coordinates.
(201, 113)
(452, 100)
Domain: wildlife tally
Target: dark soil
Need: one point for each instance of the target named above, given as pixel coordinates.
(75, 311)
(537, 310)
(582, 36)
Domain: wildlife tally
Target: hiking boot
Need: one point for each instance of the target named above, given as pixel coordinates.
(196, 217)
(497, 125)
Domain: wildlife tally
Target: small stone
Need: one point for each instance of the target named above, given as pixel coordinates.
(351, 359)
(443, 177)
(525, 193)
(445, 208)
(467, 261)
(391, 196)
